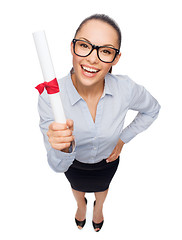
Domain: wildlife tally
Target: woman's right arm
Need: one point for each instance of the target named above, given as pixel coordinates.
(57, 137)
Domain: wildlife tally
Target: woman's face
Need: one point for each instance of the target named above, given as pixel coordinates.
(101, 34)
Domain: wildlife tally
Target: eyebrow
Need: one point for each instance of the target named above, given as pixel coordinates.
(106, 45)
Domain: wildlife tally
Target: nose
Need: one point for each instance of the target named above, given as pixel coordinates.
(93, 58)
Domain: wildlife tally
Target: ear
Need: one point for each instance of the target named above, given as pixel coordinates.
(116, 59)
(71, 47)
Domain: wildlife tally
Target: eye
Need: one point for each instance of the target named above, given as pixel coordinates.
(84, 45)
(106, 51)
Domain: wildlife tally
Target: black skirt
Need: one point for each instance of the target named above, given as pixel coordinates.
(96, 177)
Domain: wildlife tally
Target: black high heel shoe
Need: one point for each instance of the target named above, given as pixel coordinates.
(97, 225)
(81, 223)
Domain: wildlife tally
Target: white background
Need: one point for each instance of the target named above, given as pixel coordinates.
(145, 196)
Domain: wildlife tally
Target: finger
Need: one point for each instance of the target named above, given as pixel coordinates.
(63, 133)
(60, 140)
(54, 126)
(110, 158)
(114, 155)
(70, 124)
(60, 146)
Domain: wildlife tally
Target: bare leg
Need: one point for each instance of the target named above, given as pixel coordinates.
(81, 211)
(97, 213)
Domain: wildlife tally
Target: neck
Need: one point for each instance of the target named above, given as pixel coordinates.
(88, 92)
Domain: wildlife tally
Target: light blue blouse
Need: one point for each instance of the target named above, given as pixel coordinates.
(96, 141)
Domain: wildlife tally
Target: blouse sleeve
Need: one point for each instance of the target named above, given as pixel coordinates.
(59, 161)
(148, 109)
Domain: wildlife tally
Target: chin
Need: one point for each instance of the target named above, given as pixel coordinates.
(88, 82)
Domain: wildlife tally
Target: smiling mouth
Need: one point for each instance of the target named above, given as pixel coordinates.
(89, 70)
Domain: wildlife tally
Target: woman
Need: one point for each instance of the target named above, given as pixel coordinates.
(95, 104)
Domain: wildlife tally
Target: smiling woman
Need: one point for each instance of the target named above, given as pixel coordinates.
(95, 104)
(93, 56)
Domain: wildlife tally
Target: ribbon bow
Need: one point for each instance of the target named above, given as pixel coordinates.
(51, 87)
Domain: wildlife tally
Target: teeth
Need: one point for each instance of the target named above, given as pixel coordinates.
(89, 69)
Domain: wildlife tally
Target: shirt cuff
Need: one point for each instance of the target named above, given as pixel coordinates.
(60, 161)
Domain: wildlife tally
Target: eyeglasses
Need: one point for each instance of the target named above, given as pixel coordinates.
(83, 49)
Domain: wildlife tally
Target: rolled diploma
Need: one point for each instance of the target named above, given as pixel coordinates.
(48, 74)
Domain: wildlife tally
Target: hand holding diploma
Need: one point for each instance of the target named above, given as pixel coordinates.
(61, 135)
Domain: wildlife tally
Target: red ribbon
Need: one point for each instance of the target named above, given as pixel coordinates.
(51, 87)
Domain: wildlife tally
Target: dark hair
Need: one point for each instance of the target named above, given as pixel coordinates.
(103, 18)
(106, 19)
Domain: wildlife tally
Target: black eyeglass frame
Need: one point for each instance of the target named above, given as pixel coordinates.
(117, 51)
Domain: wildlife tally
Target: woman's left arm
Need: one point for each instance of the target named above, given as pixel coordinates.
(148, 109)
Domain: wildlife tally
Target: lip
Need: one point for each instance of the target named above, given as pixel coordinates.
(89, 74)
